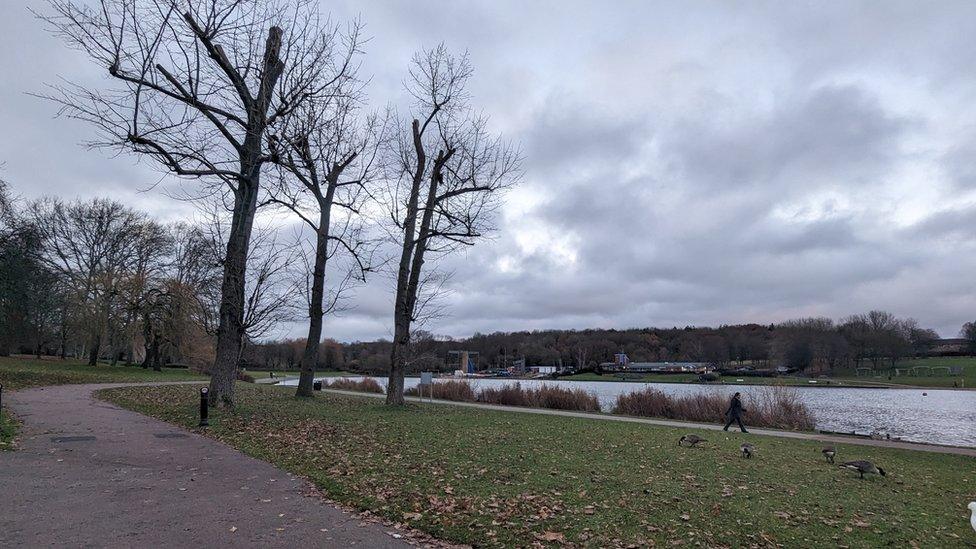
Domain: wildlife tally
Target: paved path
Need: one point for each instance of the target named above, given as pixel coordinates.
(144, 483)
(837, 439)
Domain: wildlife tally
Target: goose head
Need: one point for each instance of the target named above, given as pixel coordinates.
(881, 472)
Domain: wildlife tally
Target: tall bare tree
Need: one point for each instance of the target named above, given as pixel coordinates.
(198, 86)
(93, 248)
(329, 151)
(447, 174)
(271, 291)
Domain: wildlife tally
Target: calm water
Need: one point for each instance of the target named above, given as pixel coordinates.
(942, 417)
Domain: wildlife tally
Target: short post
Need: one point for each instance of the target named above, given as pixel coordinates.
(204, 407)
(1, 395)
(427, 378)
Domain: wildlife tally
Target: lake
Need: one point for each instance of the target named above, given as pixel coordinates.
(941, 417)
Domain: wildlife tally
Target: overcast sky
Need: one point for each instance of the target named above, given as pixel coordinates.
(685, 162)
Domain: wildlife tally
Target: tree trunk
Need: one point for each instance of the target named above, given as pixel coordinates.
(406, 303)
(402, 313)
(157, 362)
(398, 363)
(230, 331)
(315, 311)
(96, 343)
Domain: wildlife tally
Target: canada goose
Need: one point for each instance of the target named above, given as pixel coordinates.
(972, 519)
(829, 452)
(863, 467)
(692, 440)
(747, 450)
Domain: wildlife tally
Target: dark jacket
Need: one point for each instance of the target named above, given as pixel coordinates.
(735, 408)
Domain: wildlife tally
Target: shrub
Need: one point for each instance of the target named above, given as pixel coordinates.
(780, 406)
(775, 406)
(242, 376)
(546, 396)
(460, 391)
(506, 395)
(364, 385)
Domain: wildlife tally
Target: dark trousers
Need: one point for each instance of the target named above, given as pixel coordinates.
(738, 419)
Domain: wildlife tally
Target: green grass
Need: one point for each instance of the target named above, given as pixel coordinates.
(22, 373)
(967, 379)
(846, 377)
(495, 478)
(8, 430)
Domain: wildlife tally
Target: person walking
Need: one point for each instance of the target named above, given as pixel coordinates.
(734, 413)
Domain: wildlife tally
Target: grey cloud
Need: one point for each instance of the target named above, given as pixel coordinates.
(703, 164)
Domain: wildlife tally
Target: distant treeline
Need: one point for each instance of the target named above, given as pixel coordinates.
(876, 339)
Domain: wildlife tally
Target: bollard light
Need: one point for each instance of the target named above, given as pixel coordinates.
(204, 407)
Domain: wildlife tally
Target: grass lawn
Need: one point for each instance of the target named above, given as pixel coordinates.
(507, 479)
(21, 373)
(8, 429)
(967, 379)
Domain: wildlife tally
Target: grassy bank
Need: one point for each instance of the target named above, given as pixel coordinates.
(501, 479)
(21, 373)
(8, 430)
(966, 380)
(843, 377)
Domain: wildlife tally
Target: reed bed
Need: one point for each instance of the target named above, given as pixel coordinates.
(459, 391)
(365, 385)
(545, 396)
(778, 407)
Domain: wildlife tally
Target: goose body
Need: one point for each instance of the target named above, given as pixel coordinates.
(863, 467)
(692, 440)
(972, 518)
(829, 452)
(747, 450)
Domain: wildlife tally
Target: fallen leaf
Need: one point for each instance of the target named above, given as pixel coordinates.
(551, 536)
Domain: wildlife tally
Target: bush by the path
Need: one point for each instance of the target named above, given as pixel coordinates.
(778, 407)
(459, 391)
(365, 385)
(545, 396)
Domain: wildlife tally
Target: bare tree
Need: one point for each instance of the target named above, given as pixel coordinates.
(271, 287)
(198, 87)
(328, 151)
(92, 247)
(447, 174)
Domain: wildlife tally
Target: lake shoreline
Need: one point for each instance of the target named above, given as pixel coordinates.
(831, 385)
